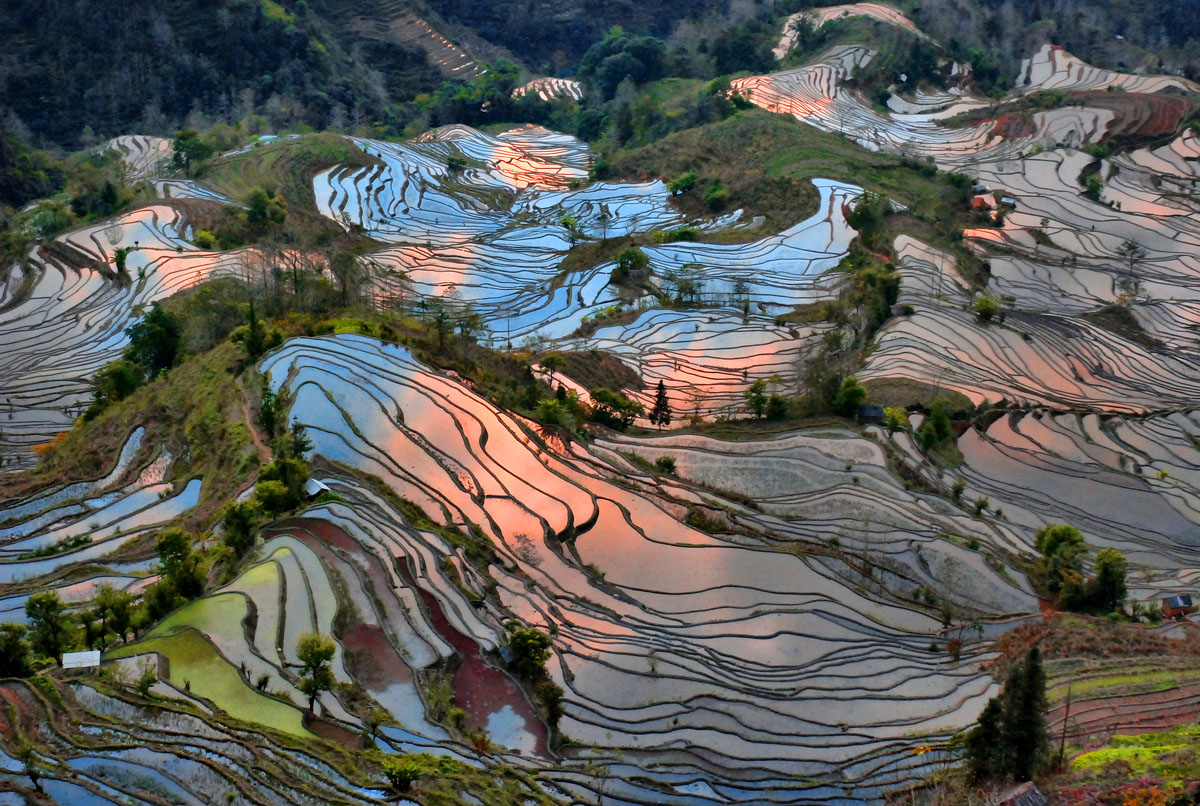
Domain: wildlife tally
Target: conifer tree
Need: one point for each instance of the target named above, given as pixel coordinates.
(1012, 741)
(660, 415)
(1026, 735)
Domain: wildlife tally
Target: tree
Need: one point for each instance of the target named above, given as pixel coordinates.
(239, 520)
(1061, 564)
(264, 208)
(985, 744)
(985, 306)
(438, 318)
(348, 271)
(254, 339)
(1107, 589)
(403, 771)
(850, 396)
(188, 148)
(315, 652)
(1026, 735)
(631, 260)
(115, 381)
(154, 342)
(14, 650)
(614, 409)
(1131, 252)
(50, 625)
(660, 415)
(298, 443)
(273, 496)
(180, 563)
(114, 609)
(756, 398)
(896, 418)
(268, 414)
(939, 420)
(682, 183)
(1012, 740)
(28, 756)
(531, 650)
(571, 224)
(777, 407)
(552, 363)
(469, 323)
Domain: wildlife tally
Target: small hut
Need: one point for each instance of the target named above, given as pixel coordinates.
(1176, 606)
(868, 413)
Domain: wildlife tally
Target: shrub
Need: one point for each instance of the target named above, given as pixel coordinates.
(273, 497)
(850, 396)
(531, 650)
(665, 464)
(777, 407)
(985, 307)
(896, 418)
(682, 183)
(715, 196)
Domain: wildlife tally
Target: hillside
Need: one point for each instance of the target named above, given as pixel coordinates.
(786, 412)
(154, 67)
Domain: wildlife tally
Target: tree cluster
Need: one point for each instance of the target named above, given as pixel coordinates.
(154, 347)
(531, 650)
(1058, 573)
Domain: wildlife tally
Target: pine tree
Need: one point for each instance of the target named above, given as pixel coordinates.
(255, 338)
(1012, 741)
(1027, 737)
(660, 415)
(985, 748)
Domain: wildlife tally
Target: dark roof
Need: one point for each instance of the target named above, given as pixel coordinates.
(1025, 794)
(870, 410)
(1178, 601)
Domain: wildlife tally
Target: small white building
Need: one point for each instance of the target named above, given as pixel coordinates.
(313, 488)
(81, 660)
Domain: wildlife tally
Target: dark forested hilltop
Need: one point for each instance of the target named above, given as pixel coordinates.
(142, 65)
(1155, 35)
(76, 71)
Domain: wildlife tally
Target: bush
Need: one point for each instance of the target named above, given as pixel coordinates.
(682, 183)
(850, 396)
(715, 196)
(631, 260)
(985, 307)
(531, 650)
(665, 464)
(777, 407)
(274, 497)
(896, 418)
(614, 409)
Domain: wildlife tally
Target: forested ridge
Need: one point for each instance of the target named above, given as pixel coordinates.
(74, 72)
(112, 67)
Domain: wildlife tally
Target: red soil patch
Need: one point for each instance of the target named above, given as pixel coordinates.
(334, 733)
(1013, 127)
(479, 688)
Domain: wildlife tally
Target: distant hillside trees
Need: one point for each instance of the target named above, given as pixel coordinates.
(147, 67)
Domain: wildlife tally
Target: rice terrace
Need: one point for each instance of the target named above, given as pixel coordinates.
(695, 403)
